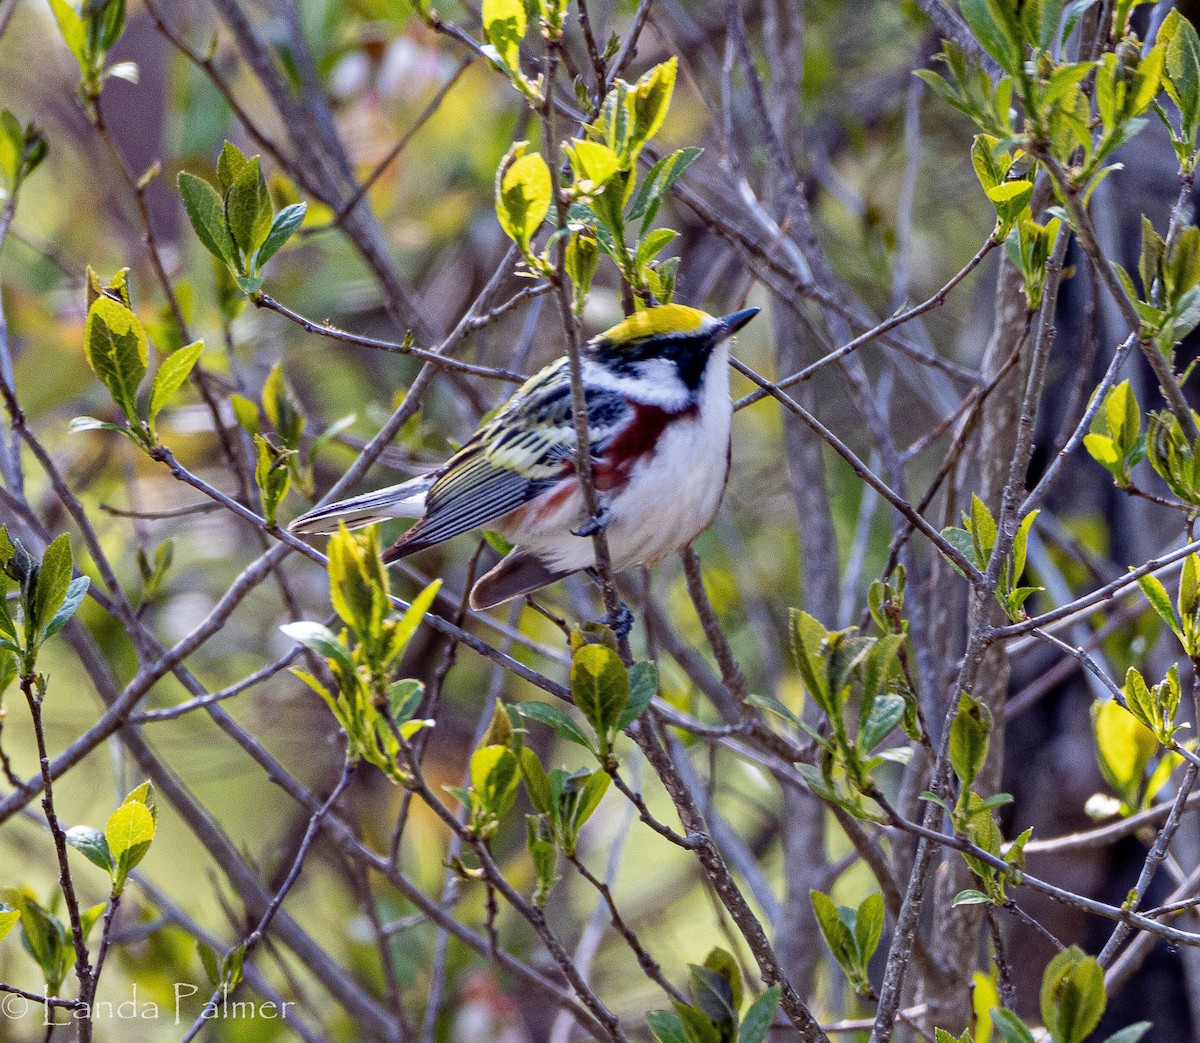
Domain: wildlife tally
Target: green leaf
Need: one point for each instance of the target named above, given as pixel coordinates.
(76, 592)
(600, 688)
(651, 99)
(1124, 748)
(757, 1022)
(983, 530)
(868, 927)
(553, 717)
(523, 193)
(117, 350)
(1010, 1026)
(592, 162)
(129, 832)
(494, 776)
(537, 784)
(283, 228)
(404, 697)
(995, 37)
(667, 1027)
(712, 993)
(206, 212)
(500, 730)
(581, 259)
(1072, 996)
(886, 712)
(723, 962)
(969, 739)
(590, 797)
(1182, 68)
(73, 29)
(230, 165)
(808, 639)
(208, 958)
(248, 211)
(836, 933)
(643, 687)
(1160, 601)
(659, 181)
(542, 852)
(654, 243)
(12, 148)
(171, 375)
(53, 581)
(93, 845)
(970, 897)
(961, 541)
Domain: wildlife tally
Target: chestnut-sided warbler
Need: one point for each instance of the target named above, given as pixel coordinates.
(659, 412)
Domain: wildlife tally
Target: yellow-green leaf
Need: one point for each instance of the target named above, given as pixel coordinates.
(523, 191)
(592, 162)
(171, 375)
(117, 349)
(129, 832)
(1124, 748)
(504, 24)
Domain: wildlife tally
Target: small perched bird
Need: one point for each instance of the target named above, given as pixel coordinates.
(659, 413)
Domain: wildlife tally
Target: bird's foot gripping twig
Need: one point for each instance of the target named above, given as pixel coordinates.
(594, 526)
(619, 622)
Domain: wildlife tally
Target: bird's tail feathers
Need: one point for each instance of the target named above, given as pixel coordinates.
(518, 573)
(406, 500)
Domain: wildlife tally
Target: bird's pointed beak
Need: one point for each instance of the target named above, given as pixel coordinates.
(732, 323)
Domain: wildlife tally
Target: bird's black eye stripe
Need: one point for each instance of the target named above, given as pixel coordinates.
(688, 351)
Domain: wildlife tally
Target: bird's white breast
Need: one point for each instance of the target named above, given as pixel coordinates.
(672, 494)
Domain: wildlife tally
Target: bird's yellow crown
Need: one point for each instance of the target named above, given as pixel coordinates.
(655, 322)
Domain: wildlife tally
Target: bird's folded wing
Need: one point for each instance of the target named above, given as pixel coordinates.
(514, 457)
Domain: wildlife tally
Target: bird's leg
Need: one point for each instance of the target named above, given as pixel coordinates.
(621, 621)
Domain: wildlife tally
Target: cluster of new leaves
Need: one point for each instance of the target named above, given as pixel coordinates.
(859, 686)
(852, 934)
(118, 351)
(1174, 457)
(279, 460)
(125, 840)
(375, 711)
(1075, 116)
(47, 596)
(976, 540)
(1128, 752)
(1072, 1002)
(609, 696)
(562, 801)
(44, 936)
(972, 815)
(714, 1014)
(90, 31)
(1115, 440)
(602, 193)
(1169, 304)
(239, 225)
